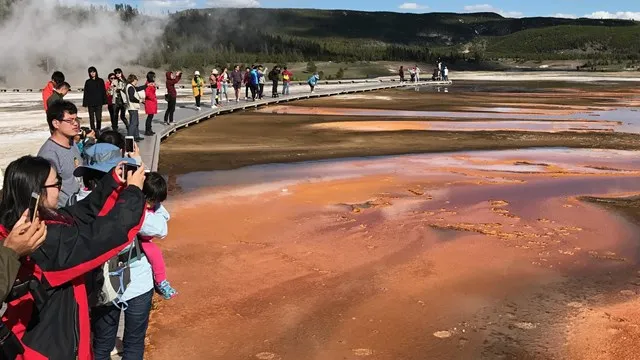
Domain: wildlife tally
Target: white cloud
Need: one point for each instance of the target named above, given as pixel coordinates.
(623, 15)
(413, 6)
(171, 3)
(234, 3)
(564, 16)
(491, 8)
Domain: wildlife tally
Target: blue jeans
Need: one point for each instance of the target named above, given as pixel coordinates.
(285, 88)
(104, 325)
(134, 124)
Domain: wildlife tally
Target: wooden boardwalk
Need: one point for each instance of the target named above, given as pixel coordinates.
(187, 115)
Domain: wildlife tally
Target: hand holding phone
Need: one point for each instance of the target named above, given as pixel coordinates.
(34, 202)
(135, 175)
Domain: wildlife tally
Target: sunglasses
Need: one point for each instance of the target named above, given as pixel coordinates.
(57, 185)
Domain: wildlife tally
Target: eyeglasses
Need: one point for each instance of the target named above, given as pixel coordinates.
(57, 185)
(71, 121)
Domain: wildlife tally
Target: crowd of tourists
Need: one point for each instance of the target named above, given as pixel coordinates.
(78, 225)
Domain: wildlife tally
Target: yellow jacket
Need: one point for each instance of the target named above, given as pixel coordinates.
(197, 84)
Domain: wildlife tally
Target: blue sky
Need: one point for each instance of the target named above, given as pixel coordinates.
(629, 9)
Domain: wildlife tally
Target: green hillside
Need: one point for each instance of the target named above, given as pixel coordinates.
(205, 36)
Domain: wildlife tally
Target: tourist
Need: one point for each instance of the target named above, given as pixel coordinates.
(213, 83)
(25, 238)
(445, 73)
(246, 80)
(111, 137)
(287, 76)
(56, 78)
(224, 82)
(197, 84)
(150, 103)
(119, 97)
(137, 298)
(155, 226)
(313, 81)
(79, 238)
(412, 75)
(274, 76)
(59, 148)
(439, 69)
(255, 83)
(261, 81)
(59, 93)
(236, 81)
(133, 101)
(219, 82)
(172, 95)
(417, 71)
(401, 73)
(94, 96)
(110, 106)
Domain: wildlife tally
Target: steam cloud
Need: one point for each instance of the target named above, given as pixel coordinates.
(70, 39)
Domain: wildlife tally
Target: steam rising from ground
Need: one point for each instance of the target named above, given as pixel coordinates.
(72, 39)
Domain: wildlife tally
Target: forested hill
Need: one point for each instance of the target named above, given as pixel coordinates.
(196, 36)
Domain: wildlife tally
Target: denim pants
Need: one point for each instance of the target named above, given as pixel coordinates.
(285, 88)
(134, 123)
(104, 325)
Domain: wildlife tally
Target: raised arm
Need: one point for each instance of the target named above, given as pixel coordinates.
(70, 251)
(99, 201)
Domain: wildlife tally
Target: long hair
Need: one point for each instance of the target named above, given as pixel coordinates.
(24, 176)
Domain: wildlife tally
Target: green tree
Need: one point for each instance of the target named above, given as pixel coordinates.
(311, 67)
(340, 73)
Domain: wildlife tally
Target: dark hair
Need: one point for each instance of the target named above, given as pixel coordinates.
(151, 76)
(285, 68)
(131, 78)
(117, 71)
(111, 137)
(111, 75)
(92, 69)
(62, 85)
(23, 176)
(154, 188)
(57, 109)
(57, 77)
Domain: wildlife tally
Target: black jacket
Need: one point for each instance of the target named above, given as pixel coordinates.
(98, 227)
(95, 94)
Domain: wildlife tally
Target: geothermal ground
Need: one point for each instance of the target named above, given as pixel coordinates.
(510, 232)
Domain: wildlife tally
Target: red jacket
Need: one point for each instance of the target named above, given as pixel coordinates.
(46, 92)
(150, 100)
(99, 227)
(171, 84)
(107, 86)
(285, 73)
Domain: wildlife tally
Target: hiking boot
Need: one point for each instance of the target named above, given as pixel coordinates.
(165, 289)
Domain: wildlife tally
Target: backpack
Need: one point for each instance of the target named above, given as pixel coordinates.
(119, 99)
(113, 277)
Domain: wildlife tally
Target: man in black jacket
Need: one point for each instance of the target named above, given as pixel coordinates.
(274, 77)
(95, 95)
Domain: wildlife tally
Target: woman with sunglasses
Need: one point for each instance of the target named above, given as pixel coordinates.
(47, 310)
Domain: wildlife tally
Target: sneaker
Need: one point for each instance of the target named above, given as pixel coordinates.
(198, 107)
(149, 133)
(213, 106)
(138, 139)
(165, 289)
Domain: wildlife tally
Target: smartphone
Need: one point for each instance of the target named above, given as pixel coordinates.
(128, 144)
(33, 206)
(126, 168)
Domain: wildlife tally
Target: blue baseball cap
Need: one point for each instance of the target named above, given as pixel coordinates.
(101, 157)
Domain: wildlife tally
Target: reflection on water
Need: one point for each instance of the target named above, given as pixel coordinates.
(272, 177)
(620, 120)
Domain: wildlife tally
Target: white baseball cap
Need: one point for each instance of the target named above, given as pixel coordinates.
(196, 73)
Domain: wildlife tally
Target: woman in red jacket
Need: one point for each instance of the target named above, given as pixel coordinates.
(150, 102)
(47, 312)
(172, 95)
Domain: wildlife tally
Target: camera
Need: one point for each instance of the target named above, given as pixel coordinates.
(84, 131)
